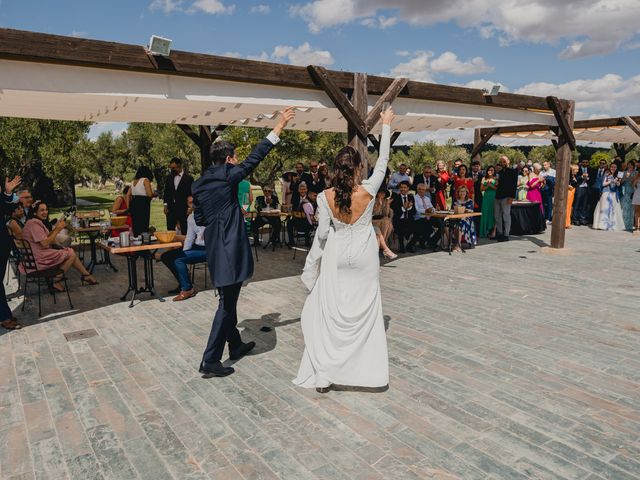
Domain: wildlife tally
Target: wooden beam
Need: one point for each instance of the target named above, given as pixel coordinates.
(394, 137)
(559, 112)
(354, 119)
(630, 147)
(554, 142)
(357, 133)
(481, 137)
(189, 132)
(388, 96)
(566, 143)
(630, 122)
(374, 141)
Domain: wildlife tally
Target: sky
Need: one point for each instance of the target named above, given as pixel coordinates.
(586, 50)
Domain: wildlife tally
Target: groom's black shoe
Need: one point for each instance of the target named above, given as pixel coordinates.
(241, 351)
(215, 370)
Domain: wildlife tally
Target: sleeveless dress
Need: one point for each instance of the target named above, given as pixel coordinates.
(140, 208)
(487, 220)
(534, 194)
(342, 322)
(521, 194)
(608, 212)
(441, 200)
(627, 201)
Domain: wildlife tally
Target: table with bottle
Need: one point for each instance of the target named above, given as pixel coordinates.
(88, 224)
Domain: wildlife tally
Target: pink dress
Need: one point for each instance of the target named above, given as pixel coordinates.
(533, 194)
(46, 257)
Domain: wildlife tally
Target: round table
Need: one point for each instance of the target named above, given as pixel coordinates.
(527, 218)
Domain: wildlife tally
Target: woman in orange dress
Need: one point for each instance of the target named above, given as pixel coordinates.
(573, 184)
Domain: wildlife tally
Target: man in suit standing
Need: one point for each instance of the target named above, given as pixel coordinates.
(315, 180)
(7, 320)
(404, 211)
(581, 200)
(596, 177)
(215, 201)
(299, 177)
(429, 179)
(176, 190)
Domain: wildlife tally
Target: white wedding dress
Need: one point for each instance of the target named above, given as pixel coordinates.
(342, 322)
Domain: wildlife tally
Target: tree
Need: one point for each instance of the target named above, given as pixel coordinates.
(428, 153)
(598, 156)
(541, 154)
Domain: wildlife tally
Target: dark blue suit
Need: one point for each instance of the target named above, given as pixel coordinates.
(5, 247)
(215, 202)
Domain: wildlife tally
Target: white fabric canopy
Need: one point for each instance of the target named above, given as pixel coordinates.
(615, 134)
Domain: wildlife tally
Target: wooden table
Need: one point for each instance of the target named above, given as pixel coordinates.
(92, 232)
(452, 221)
(271, 214)
(132, 253)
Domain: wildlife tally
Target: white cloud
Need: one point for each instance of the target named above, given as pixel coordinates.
(78, 34)
(261, 9)
(423, 66)
(580, 27)
(302, 55)
(213, 7)
(381, 22)
(116, 128)
(167, 6)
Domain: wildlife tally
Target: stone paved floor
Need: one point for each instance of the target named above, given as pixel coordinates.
(506, 362)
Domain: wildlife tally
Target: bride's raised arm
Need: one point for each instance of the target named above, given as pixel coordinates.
(372, 184)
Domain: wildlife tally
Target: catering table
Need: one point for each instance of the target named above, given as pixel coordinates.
(452, 221)
(132, 253)
(272, 214)
(92, 232)
(526, 218)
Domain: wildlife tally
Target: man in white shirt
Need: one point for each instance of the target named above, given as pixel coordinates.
(422, 225)
(400, 176)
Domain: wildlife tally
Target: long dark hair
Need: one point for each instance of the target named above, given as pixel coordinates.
(144, 172)
(344, 169)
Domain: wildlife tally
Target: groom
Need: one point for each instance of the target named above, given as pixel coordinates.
(215, 201)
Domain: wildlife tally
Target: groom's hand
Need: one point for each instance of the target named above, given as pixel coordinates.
(285, 117)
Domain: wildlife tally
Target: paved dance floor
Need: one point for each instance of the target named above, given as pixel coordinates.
(506, 362)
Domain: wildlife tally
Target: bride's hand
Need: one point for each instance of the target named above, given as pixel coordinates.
(387, 116)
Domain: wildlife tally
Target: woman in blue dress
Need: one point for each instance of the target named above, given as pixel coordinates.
(627, 195)
(467, 227)
(608, 212)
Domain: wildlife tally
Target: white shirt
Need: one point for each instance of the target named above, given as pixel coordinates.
(195, 234)
(548, 173)
(176, 180)
(422, 205)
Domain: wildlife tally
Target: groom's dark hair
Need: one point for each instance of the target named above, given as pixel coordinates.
(219, 152)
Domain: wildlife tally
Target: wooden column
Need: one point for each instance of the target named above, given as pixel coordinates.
(566, 143)
(203, 139)
(480, 138)
(357, 137)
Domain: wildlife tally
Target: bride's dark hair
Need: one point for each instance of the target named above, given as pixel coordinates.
(344, 169)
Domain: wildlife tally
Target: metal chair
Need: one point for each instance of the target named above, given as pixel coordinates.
(297, 235)
(35, 275)
(199, 266)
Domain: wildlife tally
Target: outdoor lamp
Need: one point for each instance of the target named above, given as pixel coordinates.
(159, 46)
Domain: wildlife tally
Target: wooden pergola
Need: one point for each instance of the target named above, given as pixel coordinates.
(67, 78)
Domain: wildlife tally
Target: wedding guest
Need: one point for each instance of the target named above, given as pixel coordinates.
(14, 223)
(300, 176)
(627, 190)
(608, 212)
(477, 176)
(139, 198)
(403, 206)
(443, 180)
(461, 179)
(548, 181)
(323, 170)
(398, 177)
(635, 201)
(193, 251)
(41, 241)
(505, 193)
(582, 194)
(467, 228)
(317, 181)
(287, 193)
(595, 187)
(487, 220)
(7, 199)
(265, 202)
(245, 196)
(177, 188)
(429, 179)
(523, 179)
(454, 172)
(26, 200)
(573, 184)
(120, 208)
(298, 223)
(382, 223)
(423, 227)
(534, 185)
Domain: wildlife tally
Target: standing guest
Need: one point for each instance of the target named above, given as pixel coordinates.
(265, 202)
(286, 188)
(613, 168)
(398, 177)
(582, 194)
(7, 198)
(229, 255)
(488, 187)
(298, 223)
(534, 185)
(523, 179)
(15, 223)
(573, 184)
(635, 201)
(381, 221)
(548, 181)
(140, 200)
(462, 179)
(476, 176)
(429, 179)
(323, 170)
(466, 228)
(441, 188)
(454, 172)
(403, 206)
(608, 212)
(298, 177)
(627, 194)
(41, 241)
(245, 196)
(505, 193)
(120, 207)
(422, 226)
(177, 188)
(316, 179)
(26, 200)
(595, 184)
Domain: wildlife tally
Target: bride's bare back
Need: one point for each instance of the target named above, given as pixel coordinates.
(360, 199)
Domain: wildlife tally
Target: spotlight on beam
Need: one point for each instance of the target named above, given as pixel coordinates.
(494, 91)
(159, 46)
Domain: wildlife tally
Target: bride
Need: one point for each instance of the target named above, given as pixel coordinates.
(342, 323)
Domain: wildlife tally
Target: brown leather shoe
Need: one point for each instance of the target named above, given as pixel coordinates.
(11, 324)
(184, 295)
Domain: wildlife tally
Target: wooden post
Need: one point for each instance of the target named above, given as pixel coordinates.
(476, 141)
(203, 139)
(566, 143)
(480, 138)
(356, 138)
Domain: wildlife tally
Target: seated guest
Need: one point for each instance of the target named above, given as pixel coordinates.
(398, 177)
(120, 208)
(467, 227)
(41, 241)
(268, 201)
(15, 223)
(404, 209)
(429, 179)
(423, 227)
(298, 223)
(382, 223)
(26, 200)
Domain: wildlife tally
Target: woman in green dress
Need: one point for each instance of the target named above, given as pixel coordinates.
(488, 186)
(627, 195)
